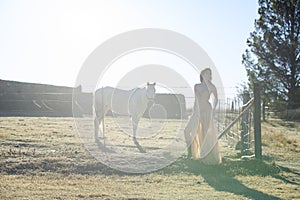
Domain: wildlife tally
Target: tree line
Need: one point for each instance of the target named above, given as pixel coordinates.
(273, 53)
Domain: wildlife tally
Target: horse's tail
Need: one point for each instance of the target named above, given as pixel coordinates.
(97, 102)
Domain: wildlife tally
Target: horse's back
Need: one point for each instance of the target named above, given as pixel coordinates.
(114, 99)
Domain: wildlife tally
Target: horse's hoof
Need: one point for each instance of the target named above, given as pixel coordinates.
(141, 150)
(137, 144)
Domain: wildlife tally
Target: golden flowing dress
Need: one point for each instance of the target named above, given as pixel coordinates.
(201, 129)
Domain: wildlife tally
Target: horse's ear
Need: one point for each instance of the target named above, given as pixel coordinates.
(154, 83)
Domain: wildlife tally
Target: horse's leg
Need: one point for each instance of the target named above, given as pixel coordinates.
(99, 119)
(135, 121)
(96, 127)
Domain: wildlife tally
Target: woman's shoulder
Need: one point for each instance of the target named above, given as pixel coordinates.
(197, 86)
(200, 86)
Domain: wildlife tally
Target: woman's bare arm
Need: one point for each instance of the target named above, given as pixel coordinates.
(216, 99)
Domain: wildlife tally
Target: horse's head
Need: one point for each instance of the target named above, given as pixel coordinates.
(151, 91)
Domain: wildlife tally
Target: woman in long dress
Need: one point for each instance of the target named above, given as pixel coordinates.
(200, 132)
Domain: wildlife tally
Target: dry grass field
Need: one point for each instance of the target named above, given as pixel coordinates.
(44, 158)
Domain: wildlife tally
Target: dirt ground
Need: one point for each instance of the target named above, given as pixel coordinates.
(44, 158)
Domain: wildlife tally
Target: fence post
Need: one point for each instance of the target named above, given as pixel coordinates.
(257, 121)
(245, 140)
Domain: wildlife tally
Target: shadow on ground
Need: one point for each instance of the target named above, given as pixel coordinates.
(222, 177)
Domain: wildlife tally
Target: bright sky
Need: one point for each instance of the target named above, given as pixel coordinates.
(47, 41)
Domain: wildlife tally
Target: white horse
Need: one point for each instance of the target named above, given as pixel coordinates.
(124, 102)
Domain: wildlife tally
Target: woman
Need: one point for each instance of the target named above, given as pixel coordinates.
(200, 131)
